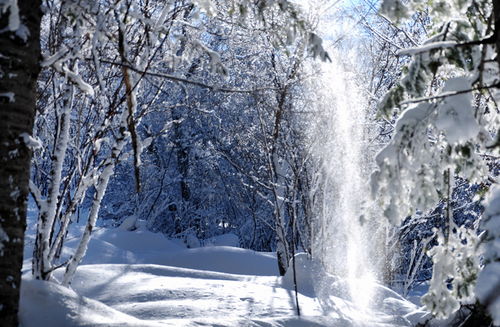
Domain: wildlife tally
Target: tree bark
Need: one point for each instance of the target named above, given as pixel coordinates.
(19, 68)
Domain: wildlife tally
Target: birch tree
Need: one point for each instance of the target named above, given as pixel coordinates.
(19, 55)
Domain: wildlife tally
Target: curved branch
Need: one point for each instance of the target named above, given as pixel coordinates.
(449, 94)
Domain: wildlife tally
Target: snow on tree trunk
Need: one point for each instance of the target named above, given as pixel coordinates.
(47, 215)
(19, 55)
(101, 186)
(282, 248)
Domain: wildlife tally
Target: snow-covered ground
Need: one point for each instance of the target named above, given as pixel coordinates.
(143, 279)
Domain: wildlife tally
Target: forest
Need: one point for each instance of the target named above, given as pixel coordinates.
(316, 163)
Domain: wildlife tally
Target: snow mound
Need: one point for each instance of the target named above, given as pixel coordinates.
(223, 259)
(49, 304)
(118, 246)
(136, 241)
(305, 273)
(229, 239)
(100, 251)
(139, 278)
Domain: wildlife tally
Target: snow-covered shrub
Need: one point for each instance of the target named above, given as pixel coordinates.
(455, 269)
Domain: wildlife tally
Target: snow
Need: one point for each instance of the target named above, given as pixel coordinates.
(13, 8)
(50, 60)
(427, 47)
(31, 142)
(23, 32)
(128, 223)
(118, 246)
(488, 282)
(74, 77)
(136, 242)
(489, 276)
(78, 80)
(9, 95)
(3, 238)
(192, 241)
(393, 9)
(456, 115)
(304, 275)
(225, 259)
(66, 307)
(140, 278)
(492, 205)
(229, 239)
(408, 120)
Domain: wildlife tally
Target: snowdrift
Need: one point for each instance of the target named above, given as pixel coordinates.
(143, 279)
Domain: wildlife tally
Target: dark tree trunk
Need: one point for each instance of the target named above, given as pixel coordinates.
(19, 68)
(182, 152)
(179, 116)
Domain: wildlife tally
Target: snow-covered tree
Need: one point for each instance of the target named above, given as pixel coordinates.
(447, 126)
(84, 41)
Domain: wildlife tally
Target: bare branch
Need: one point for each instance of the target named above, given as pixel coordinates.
(188, 81)
(36, 194)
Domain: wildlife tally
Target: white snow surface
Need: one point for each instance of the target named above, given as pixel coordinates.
(139, 278)
(489, 276)
(9, 95)
(456, 115)
(34, 143)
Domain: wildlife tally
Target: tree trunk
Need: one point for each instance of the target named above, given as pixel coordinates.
(19, 68)
(180, 139)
